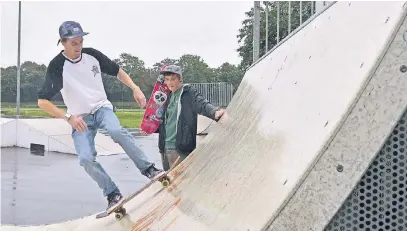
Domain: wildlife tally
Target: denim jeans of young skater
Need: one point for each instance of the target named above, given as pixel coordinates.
(105, 118)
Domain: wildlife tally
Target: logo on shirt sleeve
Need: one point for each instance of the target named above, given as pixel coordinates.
(95, 70)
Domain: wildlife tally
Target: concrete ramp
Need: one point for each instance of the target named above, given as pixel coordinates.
(203, 125)
(8, 132)
(54, 134)
(302, 128)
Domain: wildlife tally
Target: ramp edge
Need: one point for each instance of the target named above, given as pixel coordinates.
(363, 131)
(45, 134)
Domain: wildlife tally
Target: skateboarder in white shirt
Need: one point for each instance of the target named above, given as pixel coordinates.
(76, 73)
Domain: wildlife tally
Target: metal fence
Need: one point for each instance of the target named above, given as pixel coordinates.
(285, 16)
(219, 94)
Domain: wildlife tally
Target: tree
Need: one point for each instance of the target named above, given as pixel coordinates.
(195, 70)
(31, 77)
(137, 72)
(8, 84)
(157, 66)
(245, 35)
(230, 74)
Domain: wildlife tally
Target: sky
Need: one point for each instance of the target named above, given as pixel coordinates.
(152, 30)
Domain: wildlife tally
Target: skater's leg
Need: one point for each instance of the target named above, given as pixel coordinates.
(85, 147)
(164, 161)
(108, 120)
(172, 155)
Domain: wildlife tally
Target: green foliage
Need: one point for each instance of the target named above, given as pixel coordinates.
(195, 70)
(228, 73)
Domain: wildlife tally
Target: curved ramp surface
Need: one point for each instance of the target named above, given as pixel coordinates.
(54, 134)
(333, 89)
(203, 125)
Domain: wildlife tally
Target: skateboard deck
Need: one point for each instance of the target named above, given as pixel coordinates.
(120, 211)
(155, 107)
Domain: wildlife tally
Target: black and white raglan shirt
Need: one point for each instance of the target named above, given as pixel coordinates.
(79, 81)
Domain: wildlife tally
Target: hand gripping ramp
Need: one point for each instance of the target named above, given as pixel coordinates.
(303, 126)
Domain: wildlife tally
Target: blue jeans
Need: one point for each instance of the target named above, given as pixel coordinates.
(106, 119)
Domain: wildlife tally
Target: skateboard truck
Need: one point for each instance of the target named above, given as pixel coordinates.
(120, 211)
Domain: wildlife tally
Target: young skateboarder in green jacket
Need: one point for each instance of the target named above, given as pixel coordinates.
(177, 133)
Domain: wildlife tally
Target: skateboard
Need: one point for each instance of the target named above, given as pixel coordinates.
(155, 107)
(120, 211)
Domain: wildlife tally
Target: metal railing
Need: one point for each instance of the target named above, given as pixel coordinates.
(285, 22)
(219, 94)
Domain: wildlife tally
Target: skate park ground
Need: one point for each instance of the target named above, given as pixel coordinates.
(52, 188)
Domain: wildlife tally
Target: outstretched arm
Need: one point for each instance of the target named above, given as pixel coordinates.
(51, 109)
(126, 80)
(204, 107)
(137, 93)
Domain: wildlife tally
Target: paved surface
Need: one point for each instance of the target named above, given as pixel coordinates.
(54, 188)
(301, 129)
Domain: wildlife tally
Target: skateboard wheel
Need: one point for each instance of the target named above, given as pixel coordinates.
(165, 182)
(120, 213)
(119, 216)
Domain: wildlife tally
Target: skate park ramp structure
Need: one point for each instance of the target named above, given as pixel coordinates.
(54, 134)
(203, 125)
(303, 127)
(8, 132)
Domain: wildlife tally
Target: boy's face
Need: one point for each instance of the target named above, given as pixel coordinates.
(173, 82)
(73, 47)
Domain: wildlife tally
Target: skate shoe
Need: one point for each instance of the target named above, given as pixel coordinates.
(151, 172)
(113, 199)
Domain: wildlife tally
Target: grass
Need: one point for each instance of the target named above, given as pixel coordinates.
(130, 118)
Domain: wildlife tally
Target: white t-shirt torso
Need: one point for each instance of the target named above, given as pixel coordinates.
(79, 81)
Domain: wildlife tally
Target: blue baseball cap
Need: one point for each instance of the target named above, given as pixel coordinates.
(70, 29)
